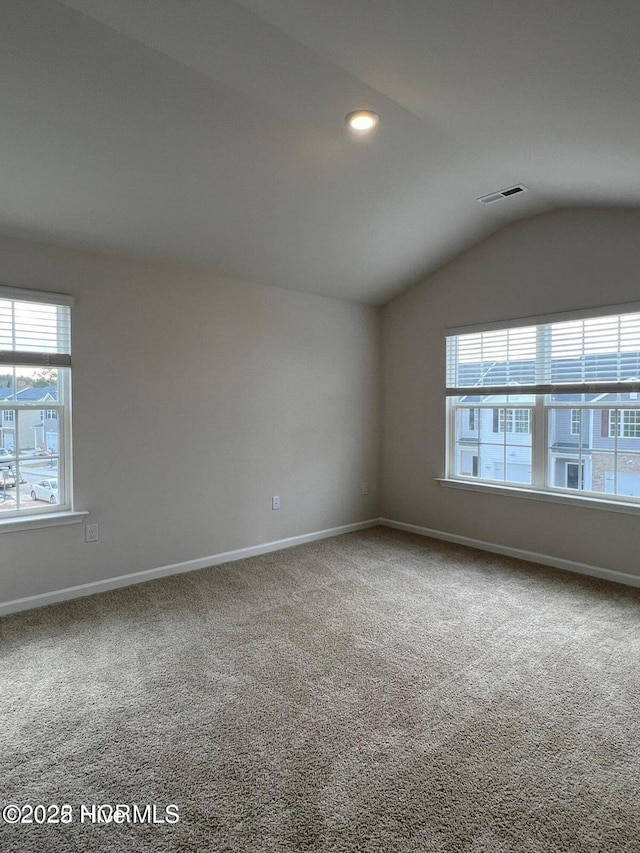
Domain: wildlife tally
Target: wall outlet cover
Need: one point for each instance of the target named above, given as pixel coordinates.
(91, 533)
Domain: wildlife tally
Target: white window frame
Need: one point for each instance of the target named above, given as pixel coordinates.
(511, 420)
(514, 421)
(62, 512)
(620, 419)
(544, 398)
(576, 428)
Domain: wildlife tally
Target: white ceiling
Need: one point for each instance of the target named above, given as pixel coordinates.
(211, 132)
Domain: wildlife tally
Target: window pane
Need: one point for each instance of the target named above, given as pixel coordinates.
(8, 461)
(38, 386)
(628, 474)
(568, 429)
(40, 467)
(595, 450)
(518, 464)
(505, 463)
(484, 450)
(603, 465)
(467, 423)
(570, 439)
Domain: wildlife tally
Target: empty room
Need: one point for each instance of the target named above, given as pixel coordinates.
(319, 426)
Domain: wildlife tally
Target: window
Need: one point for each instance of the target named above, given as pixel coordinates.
(624, 423)
(512, 420)
(576, 417)
(35, 369)
(555, 402)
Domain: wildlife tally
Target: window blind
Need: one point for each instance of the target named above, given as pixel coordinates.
(594, 354)
(34, 331)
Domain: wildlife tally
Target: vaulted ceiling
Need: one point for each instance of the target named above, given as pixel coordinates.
(211, 132)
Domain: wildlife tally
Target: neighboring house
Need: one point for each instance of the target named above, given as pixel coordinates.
(593, 449)
(38, 427)
(495, 444)
(610, 445)
(7, 420)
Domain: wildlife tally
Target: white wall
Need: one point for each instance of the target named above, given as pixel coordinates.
(555, 262)
(195, 399)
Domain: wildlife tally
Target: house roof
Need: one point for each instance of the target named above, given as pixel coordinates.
(212, 133)
(597, 367)
(47, 394)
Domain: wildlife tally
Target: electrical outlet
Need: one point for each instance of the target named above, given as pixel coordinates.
(91, 533)
(275, 502)
(364, 488)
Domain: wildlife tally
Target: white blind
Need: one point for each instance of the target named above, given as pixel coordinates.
(571, 356)
(34, 332)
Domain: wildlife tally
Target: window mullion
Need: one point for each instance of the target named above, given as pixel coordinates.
(615, 450)
(450, 429)
(539, 443)
(18, 450)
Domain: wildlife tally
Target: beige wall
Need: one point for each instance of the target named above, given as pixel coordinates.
(196, 398)
(555, 262)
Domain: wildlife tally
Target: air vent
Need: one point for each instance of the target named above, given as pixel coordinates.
(489, 199)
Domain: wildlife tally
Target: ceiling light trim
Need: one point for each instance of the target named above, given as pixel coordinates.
(362, 121)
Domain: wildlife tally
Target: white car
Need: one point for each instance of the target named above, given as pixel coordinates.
(45, 490)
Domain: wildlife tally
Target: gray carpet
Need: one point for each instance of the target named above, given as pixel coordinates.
(374, 692)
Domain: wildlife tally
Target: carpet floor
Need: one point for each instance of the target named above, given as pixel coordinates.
(376, 692)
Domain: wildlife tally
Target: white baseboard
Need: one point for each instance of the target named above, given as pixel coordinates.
(517, 553)
(84, 589)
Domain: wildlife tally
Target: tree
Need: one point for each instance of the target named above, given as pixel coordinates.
(43, 377)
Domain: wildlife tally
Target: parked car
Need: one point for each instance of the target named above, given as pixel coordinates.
(8, 478)
(45, 490)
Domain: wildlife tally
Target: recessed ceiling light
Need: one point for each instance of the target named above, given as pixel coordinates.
(362, 120)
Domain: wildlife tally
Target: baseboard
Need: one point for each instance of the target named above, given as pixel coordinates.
(82, 590)
(517, 553)
(175, 569)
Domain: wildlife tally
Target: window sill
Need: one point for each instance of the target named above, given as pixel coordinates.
(51, 519)
(539, 495)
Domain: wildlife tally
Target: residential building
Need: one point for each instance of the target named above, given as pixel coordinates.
(38, 427)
